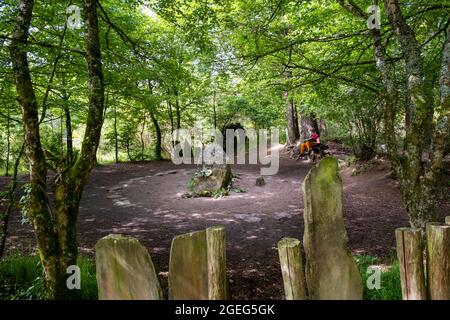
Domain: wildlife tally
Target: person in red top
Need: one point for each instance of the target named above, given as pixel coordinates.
(315, 137)
(309, 144)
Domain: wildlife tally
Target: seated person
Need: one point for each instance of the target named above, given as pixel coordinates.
(309, 144)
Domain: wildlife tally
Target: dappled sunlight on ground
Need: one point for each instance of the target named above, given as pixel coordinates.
(145, 201)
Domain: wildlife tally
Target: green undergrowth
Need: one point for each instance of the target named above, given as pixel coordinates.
(389, 285)
(21, 278)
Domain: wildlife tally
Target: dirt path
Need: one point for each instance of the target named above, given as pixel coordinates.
(144, 200)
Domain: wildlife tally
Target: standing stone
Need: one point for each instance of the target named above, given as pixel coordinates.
(331, 271)
(260, 181)
(125, 270)
(447, 220)
(188, 267)
(206, 182)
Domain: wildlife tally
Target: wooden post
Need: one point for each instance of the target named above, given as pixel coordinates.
(217, 273)
(292, 269)
(438, 261)
(447, 220)
(410, 257)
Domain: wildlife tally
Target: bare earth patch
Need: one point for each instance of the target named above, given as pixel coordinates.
(145, 200)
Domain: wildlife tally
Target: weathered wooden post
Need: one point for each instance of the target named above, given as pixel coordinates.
(410, 257)
(331, 272)
(217, 271)
(125, 270)
(438, 261)
(292, 269)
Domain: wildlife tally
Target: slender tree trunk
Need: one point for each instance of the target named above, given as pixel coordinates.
(315, 124)
(177, 112)
(214, 110)
(291, 114)
(142, 135)
(418, 178)
(177, 115)
(55, 229)
(68, 122)
(158, 142)
(8, 142)
(292, 120)
(116, 140)
(172, 127)
(418, 187)
(69, 186)
(5, 216)
(38, 206)
(307, 125)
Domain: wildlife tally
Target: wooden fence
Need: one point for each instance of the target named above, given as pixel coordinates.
(321, 268)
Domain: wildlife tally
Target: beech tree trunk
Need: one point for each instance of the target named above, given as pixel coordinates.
(55, 229)
(8, 141)
(177, 110)
(418, 177)
(307, 125)
(116, 137)
(4, 216)
(69, 139)
(292, 120)
(158, 141)
(144, 117)
(214, 110)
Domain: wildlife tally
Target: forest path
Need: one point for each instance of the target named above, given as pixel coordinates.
(144, 200)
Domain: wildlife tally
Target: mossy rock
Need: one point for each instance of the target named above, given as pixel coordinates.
(208, 182)
(260, 181)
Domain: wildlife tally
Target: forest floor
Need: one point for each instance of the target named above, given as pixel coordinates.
(145, 200)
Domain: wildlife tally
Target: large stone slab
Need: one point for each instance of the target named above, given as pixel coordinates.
(125, 270)
(188, 267)
(331, 272)
(208, 181)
